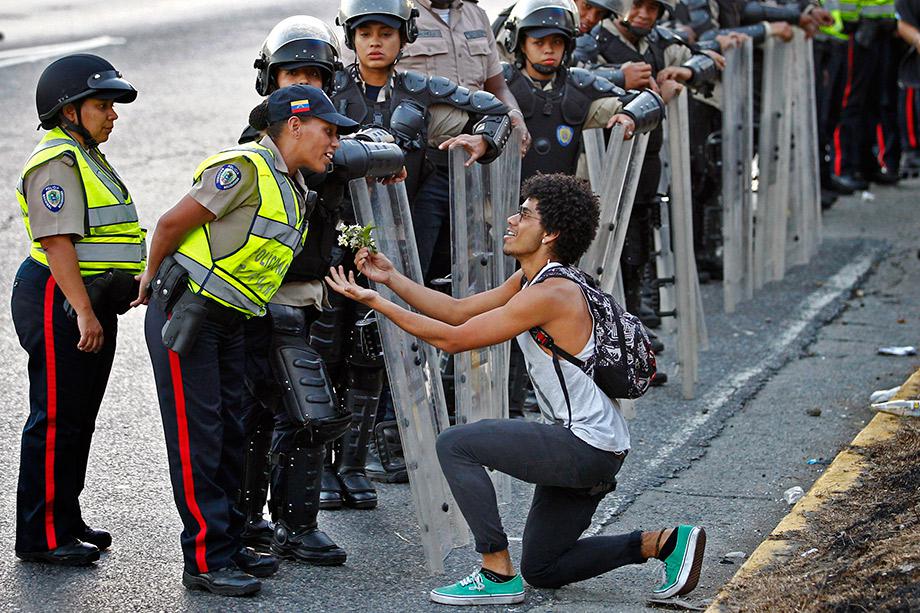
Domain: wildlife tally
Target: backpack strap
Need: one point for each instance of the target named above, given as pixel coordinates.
(543, 339)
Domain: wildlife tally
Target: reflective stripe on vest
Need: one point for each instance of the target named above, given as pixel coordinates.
(112, 238)
(247, 278)
(884, 10)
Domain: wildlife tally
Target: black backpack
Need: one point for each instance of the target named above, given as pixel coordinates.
(623, 362)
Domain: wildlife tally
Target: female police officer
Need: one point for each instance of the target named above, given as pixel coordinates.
(86, 248)
(219, 255)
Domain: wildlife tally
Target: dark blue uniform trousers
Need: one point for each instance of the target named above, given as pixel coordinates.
(200, 395)
(66, 386)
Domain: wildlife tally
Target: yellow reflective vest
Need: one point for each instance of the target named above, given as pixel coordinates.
(877, 9)
(246, 279)
(112, 237)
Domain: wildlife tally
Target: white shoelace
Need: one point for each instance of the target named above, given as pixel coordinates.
(476, 578)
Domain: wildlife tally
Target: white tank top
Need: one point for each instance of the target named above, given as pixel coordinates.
(595, 419)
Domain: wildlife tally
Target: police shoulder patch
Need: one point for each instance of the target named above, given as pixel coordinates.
(564, 134)
(53, 197)
(227, 177)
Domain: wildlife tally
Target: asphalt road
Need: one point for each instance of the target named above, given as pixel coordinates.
(722, 460)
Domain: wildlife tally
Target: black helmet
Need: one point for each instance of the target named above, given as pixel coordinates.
(543, 17)
(76, 77)
(614, 7)
(395, 13)
(298, 41)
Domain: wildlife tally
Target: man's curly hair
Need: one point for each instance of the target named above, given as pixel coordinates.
(566, 205)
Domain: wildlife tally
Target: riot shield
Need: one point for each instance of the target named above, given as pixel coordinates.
(686, 281)
(614, 175)
(480, 202)
(737, 155)
(773, 154)
(607, 167)
(415, 379)
(805, 189)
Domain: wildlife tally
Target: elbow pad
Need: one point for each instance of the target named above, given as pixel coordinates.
(612, 74)
(710, 44)
(646, 110)
(755, 12)
(757, 32)
(703, 68)
(495, 129)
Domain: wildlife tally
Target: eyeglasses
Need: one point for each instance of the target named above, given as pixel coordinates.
(525, 213)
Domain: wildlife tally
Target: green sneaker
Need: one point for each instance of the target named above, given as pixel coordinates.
(477, 589)
(681, 570)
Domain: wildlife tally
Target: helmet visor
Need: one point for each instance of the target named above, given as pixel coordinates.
(109, 85)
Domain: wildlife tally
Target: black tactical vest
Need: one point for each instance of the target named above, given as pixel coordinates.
(555, 117)
(614, 51)
(349, 99)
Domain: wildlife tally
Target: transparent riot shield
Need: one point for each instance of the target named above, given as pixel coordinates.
(414, 376)
(479, 201)
(504, 205)
(805, 188)
(737, 155)
(607, 167)
(686, 282)
(614, 175)
(773, 158)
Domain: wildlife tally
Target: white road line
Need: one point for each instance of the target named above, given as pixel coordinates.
(11, 57)
(723, 391)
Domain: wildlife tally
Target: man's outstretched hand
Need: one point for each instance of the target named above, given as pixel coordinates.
(348, 287)
(374, 266)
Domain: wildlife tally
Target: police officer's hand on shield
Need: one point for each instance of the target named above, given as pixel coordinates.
(638, 75)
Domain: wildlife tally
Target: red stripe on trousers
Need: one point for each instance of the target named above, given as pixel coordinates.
(843, 105)
(911, 134)
(880, 139)
(188, 484)
(51, 428)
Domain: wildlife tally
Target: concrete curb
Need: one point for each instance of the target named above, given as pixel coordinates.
(839, 477)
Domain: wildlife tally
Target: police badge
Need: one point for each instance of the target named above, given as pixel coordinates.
(227, 177)
(53, 198)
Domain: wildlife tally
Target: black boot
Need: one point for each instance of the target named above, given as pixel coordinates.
(385, 462)
(296, 535)
(364, 387)
(330, 493)
(257, 531)
(357, 490)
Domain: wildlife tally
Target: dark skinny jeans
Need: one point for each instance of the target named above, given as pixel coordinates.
(564, 468)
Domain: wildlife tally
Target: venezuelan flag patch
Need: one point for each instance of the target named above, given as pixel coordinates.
(300, 106)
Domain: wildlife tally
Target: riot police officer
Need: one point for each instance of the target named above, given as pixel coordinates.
(219, 256)
(304, 50)
(427, 115)
(636, 37)
(86, 247)
(560, 102)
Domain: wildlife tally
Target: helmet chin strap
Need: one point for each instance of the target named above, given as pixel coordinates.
(545, 70)
(88, 141)
(635, 30)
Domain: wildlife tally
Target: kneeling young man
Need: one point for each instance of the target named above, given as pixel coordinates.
(574, 458)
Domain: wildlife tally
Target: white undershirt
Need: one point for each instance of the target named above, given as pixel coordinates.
(444, 14)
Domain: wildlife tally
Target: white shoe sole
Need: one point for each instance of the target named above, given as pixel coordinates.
(476, 600)
(690, 566)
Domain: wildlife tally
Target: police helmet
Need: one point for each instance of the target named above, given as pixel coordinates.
(615, 7)
(76, 77)
(542, 18)
(399, 14)
(295, 42)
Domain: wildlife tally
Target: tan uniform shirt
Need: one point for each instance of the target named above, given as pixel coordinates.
(230, 190)
(55, 199)
(464, 51)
